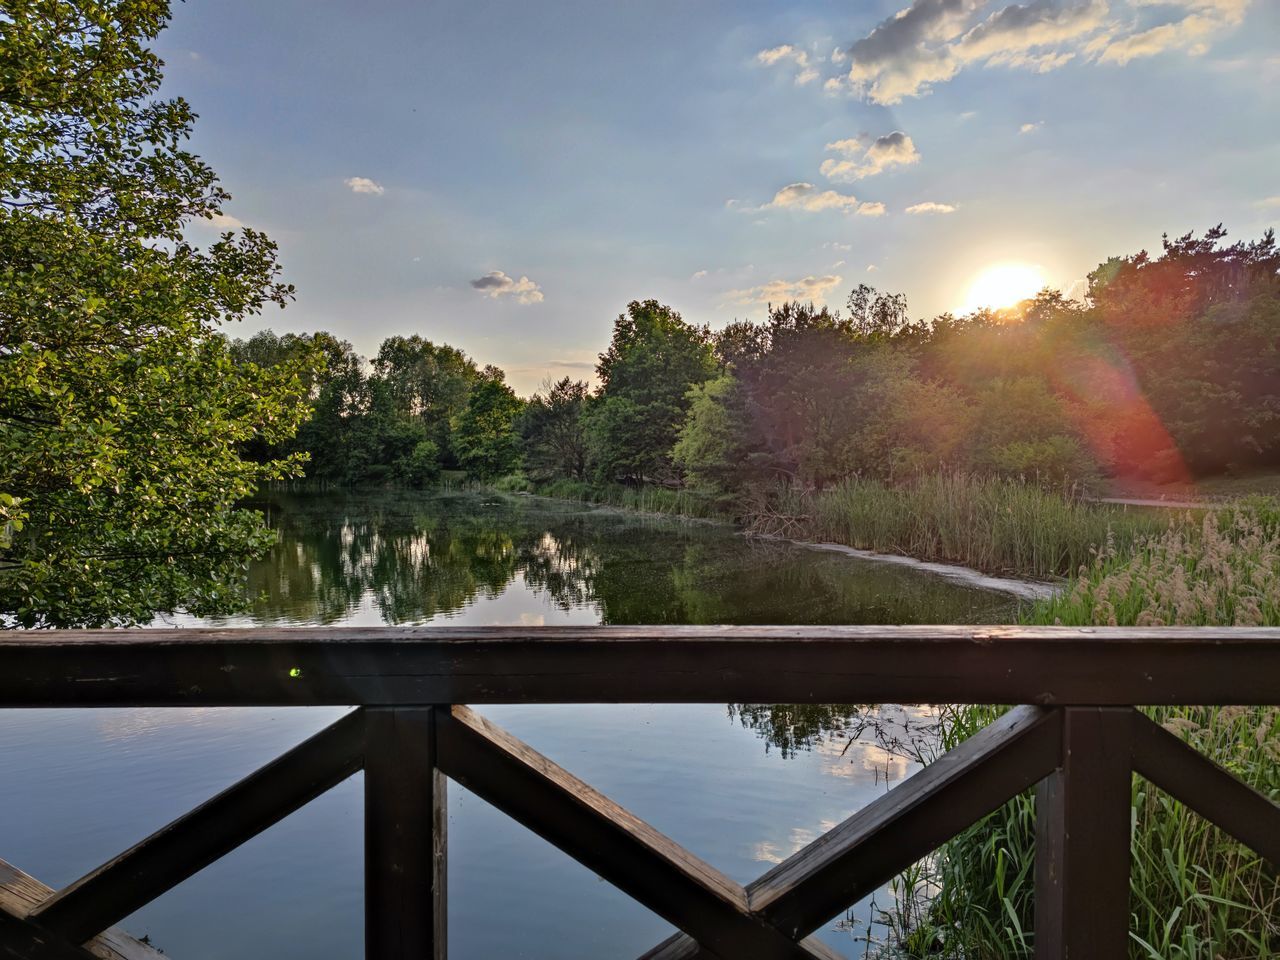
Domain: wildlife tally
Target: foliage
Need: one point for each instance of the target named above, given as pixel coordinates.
(552, 431)
(122, 414)
(1197, 894)
(645, 376)
(485, 438)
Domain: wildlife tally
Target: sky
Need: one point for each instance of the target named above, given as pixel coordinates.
(506, 177)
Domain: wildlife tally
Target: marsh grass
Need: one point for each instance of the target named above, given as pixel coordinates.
(1196, 893)
(994, 525)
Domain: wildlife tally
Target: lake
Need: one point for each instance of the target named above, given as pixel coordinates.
(741, 786)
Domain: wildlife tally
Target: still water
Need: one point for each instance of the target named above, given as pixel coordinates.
(741, 786)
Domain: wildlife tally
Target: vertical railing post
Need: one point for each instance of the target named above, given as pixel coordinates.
(404, 836)
(1082, 840)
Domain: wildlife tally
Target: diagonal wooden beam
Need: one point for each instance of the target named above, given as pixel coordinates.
(1217, 795)
(19, 893)
(888, 835)
(193, 841)
(605, 838)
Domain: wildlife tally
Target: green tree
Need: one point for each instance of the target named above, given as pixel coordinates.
(645, 376)
(122, 413)
(487, 443)
(714, 447)
(429, 381)
(553, 433)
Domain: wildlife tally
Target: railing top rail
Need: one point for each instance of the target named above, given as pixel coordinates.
(668, 664)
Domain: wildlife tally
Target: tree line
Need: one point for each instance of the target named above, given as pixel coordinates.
(1168, 370)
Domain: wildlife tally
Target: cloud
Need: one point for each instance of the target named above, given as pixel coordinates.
(1008, 33)
(871, 209)
(928, 206)
(1269, 202)
(837, 245)
(805, 196)
(849, 147)
(786, 53)
(365, 185)
(907, 53)
(225, 221)
(779, 291)
(1031, 127)
(893, 149)
(698, 275)
(1199, 19)
(497, 285)
(872, 268)
(929, 42)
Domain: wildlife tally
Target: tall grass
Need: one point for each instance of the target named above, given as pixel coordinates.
(990, 524)
(1196, 893)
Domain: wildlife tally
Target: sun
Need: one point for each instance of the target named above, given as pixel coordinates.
(1004, 284)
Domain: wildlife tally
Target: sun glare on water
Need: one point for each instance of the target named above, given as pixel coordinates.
(1004, 284)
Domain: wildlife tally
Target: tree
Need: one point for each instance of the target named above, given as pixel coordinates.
(715, 445)
(486, 439)
(122, 413)
(552, 431)
(645, 376)
(427, 380)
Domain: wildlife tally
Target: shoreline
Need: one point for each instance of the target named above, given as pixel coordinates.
(1021, 588)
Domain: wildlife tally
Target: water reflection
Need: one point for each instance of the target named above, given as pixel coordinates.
(410, 558)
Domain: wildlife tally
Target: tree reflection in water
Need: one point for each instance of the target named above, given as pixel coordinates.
(404, 557)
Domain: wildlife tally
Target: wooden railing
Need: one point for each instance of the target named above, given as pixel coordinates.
(1074, 735)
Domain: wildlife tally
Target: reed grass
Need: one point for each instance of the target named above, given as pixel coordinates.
(1196, 893)
(995, 525)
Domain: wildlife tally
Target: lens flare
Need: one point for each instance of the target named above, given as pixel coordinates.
(1004, 284)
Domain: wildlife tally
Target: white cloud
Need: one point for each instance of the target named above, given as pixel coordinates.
(779, 291)
(1031, 127)
(1270, 202)
(930, 41)
(894, 149)
(1007, 34)
(871, 209)
(698, 275)
(872, 268)
(837, 245)
(786, 53)
(365, 185)
(805, 196)
(928, 206)
(225, 221)
(849, 147)
(497, 285)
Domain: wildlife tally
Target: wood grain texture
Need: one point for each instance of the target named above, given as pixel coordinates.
(1082, 840)
(405, 916)
(20, 893)
(602, 836)
(670, 664)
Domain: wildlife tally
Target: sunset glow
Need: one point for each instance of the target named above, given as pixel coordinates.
(1004, 284)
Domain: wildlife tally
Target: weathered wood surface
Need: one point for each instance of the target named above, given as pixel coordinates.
(1082, 840)
(894, 831)
(20, 893)
(405, 820)
(669, 664)
(193, 841)
(607, 839)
